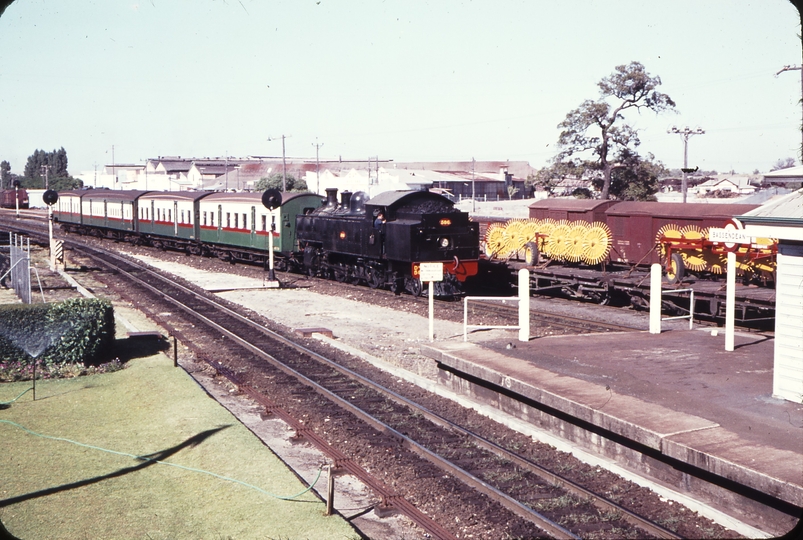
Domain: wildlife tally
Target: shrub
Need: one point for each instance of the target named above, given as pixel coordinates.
(55, 335)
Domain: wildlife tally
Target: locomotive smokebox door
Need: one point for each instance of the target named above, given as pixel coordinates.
(272, 199)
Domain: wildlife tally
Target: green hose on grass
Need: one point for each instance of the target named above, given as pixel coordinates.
(143, 458)
(7, 404)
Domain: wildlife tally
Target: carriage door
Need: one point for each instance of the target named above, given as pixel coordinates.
(175, 218)
(219, 221)
(105, 213)
(253, 226)
(122, 217)
(152, 214)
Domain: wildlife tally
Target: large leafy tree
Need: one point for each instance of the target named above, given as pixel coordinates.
(596, 132)
(275, 181)
(55, 163)
(5, 174)
(634, 178)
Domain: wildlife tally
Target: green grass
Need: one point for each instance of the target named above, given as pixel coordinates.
(51, 489)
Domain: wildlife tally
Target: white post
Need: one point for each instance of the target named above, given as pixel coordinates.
(50, 235)
(465, 317)
(524, 305)
(432, 311)
(655, 299)
(730, 301)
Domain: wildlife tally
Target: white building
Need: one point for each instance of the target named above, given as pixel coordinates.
(783, 219)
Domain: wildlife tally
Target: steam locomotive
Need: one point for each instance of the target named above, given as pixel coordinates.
(345, 241)
(307, 233)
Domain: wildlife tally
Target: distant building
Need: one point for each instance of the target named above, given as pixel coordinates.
(737, 184)
(483, 180)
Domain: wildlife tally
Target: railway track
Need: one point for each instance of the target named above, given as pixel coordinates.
(501, 475)
(510, 474)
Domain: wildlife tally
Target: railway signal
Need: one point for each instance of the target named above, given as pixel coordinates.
(272, 199)
(50, 197)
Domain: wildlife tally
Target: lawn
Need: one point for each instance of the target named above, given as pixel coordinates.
(99, 488)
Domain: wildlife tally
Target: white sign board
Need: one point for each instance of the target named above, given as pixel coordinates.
(729, 236)
(430, 272)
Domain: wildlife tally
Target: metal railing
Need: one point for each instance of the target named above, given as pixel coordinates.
(690, 316)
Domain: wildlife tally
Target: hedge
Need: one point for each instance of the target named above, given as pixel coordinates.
(73, 331)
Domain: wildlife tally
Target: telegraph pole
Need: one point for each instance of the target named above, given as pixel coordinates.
(685, 133)
(473, 198)
(284, 163)
(796, 68)
(317, 166)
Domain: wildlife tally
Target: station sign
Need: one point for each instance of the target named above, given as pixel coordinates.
(431, 271)
(729, 236)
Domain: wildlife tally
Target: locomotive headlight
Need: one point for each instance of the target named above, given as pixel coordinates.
(444, 242)
(445, 222)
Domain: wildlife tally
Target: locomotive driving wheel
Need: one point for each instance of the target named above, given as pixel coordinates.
(376, 277)
(414, 286)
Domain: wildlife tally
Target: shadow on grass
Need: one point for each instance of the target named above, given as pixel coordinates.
(147, 461)
(139, 347)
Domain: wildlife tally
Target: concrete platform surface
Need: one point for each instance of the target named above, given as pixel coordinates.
(678, 392)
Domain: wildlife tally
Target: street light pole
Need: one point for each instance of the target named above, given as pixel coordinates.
(685, 133)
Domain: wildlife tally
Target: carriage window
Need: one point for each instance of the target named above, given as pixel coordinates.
(236, 220)
(228, 220)
(264, 223)
(169, 215)
(204, 218)
(245, 222)
(212, 219)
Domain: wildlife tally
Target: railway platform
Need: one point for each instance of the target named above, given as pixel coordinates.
(675, 405)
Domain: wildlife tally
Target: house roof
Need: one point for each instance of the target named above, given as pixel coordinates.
(790, 174)
(787, 210)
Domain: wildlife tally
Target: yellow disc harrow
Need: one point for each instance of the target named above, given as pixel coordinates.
(494, 239)
(556, 242)
(574, 241)
(694, 259)
(515, 237)
(530, 229)
(717, 263)
(671, 232)
(597, 243)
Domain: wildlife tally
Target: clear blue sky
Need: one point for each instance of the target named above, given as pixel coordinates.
(400, 79)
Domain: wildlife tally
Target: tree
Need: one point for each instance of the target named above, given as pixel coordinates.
(596, 129)
(783, 164)
(275, 181)
(57, 176)
(634, 178)
(548, 178)
(5, 174)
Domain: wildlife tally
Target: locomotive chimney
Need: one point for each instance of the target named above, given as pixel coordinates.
(331, 198)
(345, 199)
